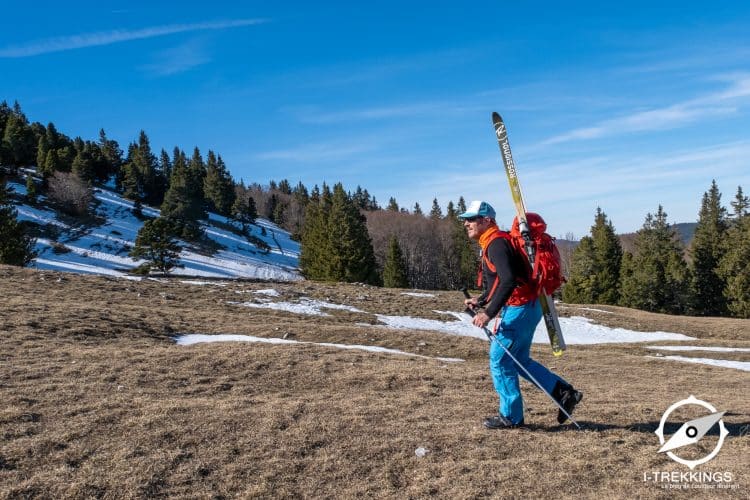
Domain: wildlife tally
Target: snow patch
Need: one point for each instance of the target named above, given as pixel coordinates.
(70, 266)
(304, 306)
(191, 339)
(417, 294)
(201, 283)
(460, 327)
(578, 330)
(722, 363)
(697, 348)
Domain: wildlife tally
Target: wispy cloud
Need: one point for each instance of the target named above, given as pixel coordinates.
(73, 42)
(314, 115)
(723, 102)
(177, 60)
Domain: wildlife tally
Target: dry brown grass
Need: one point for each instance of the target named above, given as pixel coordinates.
(97, 401)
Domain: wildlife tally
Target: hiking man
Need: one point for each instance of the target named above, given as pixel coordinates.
(507, 296)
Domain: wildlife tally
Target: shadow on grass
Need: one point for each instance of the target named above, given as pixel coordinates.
(739, 429)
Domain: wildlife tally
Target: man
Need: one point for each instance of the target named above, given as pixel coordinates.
(505, 273)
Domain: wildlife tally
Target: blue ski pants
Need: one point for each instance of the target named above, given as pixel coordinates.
(515, 332)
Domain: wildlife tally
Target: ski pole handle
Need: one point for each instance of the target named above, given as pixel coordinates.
(468, 310)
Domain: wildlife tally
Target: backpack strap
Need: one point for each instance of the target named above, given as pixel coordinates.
(485, 261)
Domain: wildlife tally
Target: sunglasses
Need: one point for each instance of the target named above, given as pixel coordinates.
(473, 219)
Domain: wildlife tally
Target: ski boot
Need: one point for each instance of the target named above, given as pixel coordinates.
(568, 399)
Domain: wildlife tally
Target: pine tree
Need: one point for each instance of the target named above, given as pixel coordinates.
(18, 141)
(16, 246)
(362, 198)
(450, 212)
(335, 242)
(607, 260)
(461, 208)
(147, 181)
(156, 244)
(194, 176)
(594, 276)
(165, 164)
(42, 148)
(394, 270)
(734, 268)
(244, 210)
(581, 285)
(436, 213)
(315, 241)
(131, 182)
(657, 278)
(270, 211)
(5, 112)
(708, 248)
(53, 137)
(284, 187)
(279, 215)
(392, 205)
(31, 192)
(740, 204)
(52, 164)
(100, 168)
(180, 202)
(83, 167)
(218, 187)
(352, 256)
(417, 209)
(112, 157)
(300, 199)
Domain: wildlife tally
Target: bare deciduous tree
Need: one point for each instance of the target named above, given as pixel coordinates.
(70, 192)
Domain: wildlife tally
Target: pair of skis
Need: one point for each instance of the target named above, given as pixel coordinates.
(549, 312)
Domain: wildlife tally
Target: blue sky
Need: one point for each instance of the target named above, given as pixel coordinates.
(619, 106)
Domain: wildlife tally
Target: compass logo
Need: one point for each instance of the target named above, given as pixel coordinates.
(691, 432)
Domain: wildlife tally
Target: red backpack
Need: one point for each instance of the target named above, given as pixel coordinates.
(546, 274)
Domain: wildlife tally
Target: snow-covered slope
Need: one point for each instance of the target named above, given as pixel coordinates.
(103, 248)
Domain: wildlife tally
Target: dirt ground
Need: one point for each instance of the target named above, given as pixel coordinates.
(99, 402)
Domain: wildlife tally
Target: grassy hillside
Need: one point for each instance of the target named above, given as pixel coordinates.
(98, 401)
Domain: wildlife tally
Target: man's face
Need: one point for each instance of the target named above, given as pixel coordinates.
(475, 226)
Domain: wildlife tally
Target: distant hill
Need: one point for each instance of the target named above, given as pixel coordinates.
(685, 231)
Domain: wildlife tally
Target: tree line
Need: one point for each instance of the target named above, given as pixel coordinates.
(711, 277)
(347, 236)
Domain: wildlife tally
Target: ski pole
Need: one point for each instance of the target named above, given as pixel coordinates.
(492, 338)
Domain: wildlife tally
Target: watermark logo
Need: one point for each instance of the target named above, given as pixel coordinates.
(687, 446)
(691, 432)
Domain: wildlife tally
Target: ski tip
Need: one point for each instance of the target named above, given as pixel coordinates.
(496, 117)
